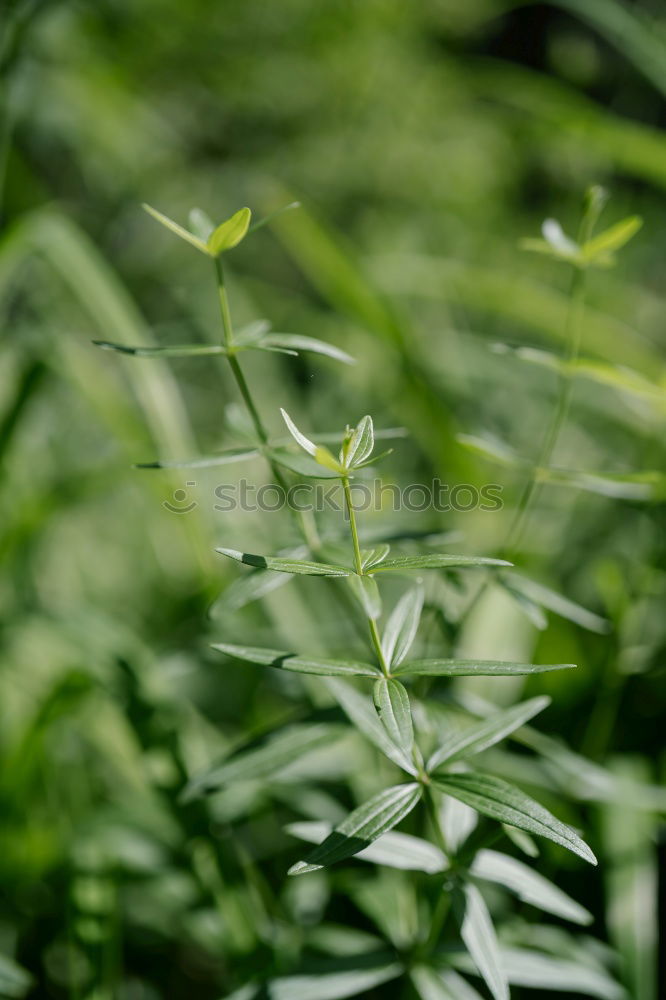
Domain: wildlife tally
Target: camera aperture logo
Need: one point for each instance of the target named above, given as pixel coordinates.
(376, 496)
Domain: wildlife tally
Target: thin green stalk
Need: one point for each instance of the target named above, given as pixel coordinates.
(358, 565)
(306, 525)
(573, 333)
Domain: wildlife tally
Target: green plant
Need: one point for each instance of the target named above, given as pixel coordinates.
(429, 741)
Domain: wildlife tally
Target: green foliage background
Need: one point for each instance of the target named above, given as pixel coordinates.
(423, 139)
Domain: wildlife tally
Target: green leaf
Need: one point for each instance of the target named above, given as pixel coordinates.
(392, 704)
(252, 333)
(522, 840)
(247, 588)
(229, 234)
(299, 664)
(562, 245)
(300, 566)
(393, 850)
(300, 463)
(14, 980)
(361, 444)
(204, 462)
(184, 234)
(179, 351)
(478, 934)
(469, 668)
(541, 971)
(372, 557)
(504, 802)
(441, 984)
(367, 593)
(333, 985)
(528, 885)
(273, 215)
(435, 561)
(320, 454)
(200, 224)
(612, 239)
(402, 625)
(375, 817)
(560, 605)
(481, 735)
(365, 719)
(299, 343)
(264, 761)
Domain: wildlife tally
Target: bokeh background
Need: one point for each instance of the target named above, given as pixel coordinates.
(423, 141)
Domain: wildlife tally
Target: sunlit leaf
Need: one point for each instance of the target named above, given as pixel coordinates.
(528, 885)
(469, 668)
(229, 234)
(265, 761)
(361, 444)
(372, 557)
(299, 664)
(402, 625)
(400, 564)
(362, 714)
(333, 985)
(375, 817)
(504, 802)
(392, 704)
(481, 735)
(480, 939)
(441, 984)
(612, 239)
(394, 850)
(300, 343)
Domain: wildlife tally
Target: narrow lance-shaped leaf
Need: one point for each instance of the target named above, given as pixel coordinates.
(392, 704)
(334, 985)
(175, 351)
(402, 625)
(481, 735)
(204, 461)
(541, 971)
(302, 464)
(478, 934)
(613, 238)
(361, 444)
(299, 664)
(528, 885)
(504, 802)
(394, 850)
(362, 827)
(435, 561)
(303, 567)
(320, 454)
(367, 593)
(471, 668)
(441, 984)
(184, 234)
(263, 761)
(365, 719)
(301, 343)
(229, 233)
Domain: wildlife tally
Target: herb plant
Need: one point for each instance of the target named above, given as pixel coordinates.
(431, 737)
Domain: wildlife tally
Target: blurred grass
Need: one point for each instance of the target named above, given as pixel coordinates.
(424, 141)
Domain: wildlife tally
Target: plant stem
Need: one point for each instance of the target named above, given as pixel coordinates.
(358, 565)
(307, 526)
(573, 331)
